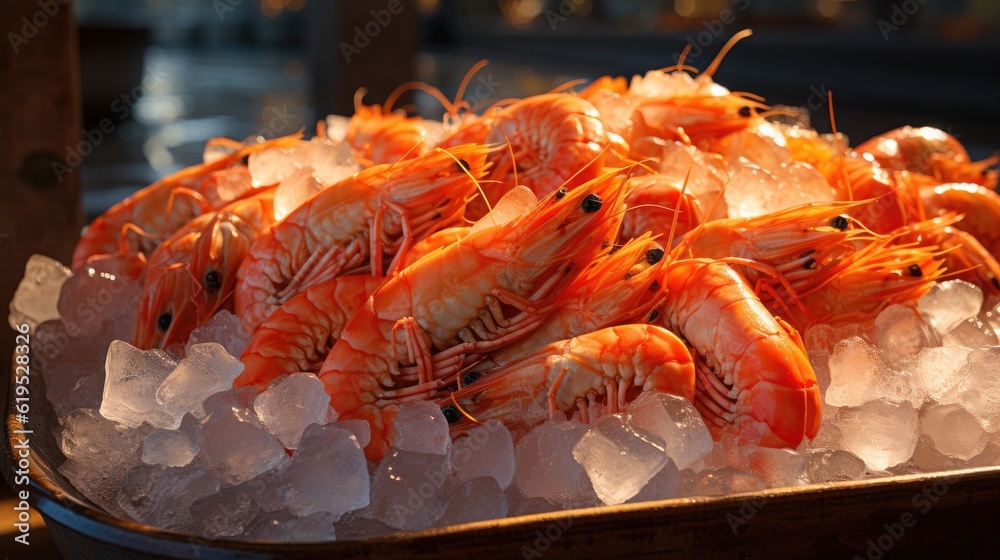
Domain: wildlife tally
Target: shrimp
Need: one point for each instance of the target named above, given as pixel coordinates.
(617, 289)
(299, 334)
(456, 300)
(652, 203)
(555, 140)
(140, 222)
(885, 273)
(788, 250)
(378, 134)
(979, 206)
(568, 377)
(199, 265)
(433, 242)
(168, 293)
(754, 378)
(353, 224)
(674, 105)
(932, 152)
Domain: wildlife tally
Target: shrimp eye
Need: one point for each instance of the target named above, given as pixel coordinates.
(654, 314)
(996, 283)
(745, 111)
(561, 192)
(915, 271)
(840, 222)
(653, 256)
(212, 280)
(163, 321)
(592, 203)
(463, 165)
(450, 414)
(470, 378)
(810, 264)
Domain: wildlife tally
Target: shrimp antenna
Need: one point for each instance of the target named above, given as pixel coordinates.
(419, 86)
(460, 409)
(358, 96)
(468, 173)
(677, 207)
(468, 78)
(592, 161)
(513, 161)
(710, 71)
(840, 149)
(680, 62)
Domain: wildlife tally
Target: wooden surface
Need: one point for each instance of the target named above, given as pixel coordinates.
(40, 116)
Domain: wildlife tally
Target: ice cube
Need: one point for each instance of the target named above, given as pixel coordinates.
(477, 499)
(101, 291)
(753, 191)
(971, 333)
(832, 465)
(487, 450)
(295, 190)
(286, 408)
(225, 514)
(274, 165)
(405, 491)
(902, 332)
(265, 490)
(327, 473)
(618, 458)
(37, 295)
(237, 447)
(170, 448)
(362, 430)
(674, 420)
(332, 161)
(934, 371)
(356, 525)
(87, 434)
(223, 328)
(776, 467)
(546, 467)
(73, 367)
(420, 427)
(978, 391)
(662, 486)
(949, 303)
(162, 496)
(855, 368)
(207, 369)
(725, 480)
(132, 377)
(240, 397)
(881, 433)
(283, 526)
(953, 430)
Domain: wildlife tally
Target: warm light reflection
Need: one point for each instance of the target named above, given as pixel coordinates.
(828, 8)
(684, 8)
(521, 12)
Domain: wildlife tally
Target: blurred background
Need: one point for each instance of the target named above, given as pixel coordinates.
(238, 68)
(155, 79)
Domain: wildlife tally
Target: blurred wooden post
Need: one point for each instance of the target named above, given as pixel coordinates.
(369, 44)
(40, 112)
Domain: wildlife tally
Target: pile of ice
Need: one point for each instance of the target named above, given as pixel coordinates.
(165, 440)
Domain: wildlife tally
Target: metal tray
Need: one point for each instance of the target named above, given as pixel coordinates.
(941, 515)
